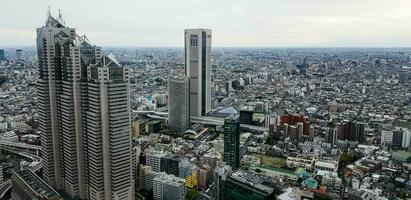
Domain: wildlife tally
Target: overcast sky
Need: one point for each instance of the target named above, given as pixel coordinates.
(235, 23)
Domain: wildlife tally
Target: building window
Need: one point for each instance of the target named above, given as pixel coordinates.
(193, 42)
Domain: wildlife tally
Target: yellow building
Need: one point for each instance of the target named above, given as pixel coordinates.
(136, 129)
(192, 180)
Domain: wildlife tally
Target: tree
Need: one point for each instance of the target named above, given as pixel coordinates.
(270, 139)
(3, 80)
(346, 159)
(191, 194)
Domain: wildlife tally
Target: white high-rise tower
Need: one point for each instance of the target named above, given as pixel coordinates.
(198, 69)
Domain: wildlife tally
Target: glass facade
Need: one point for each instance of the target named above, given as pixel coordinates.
(232, 141)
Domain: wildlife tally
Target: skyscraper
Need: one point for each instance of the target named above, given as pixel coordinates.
(178, 103)
(232, 141)
(198, 69)
(18, 54)
(331, 136)
(83, 115)
(108, 131)
(51, 40)
(2, 57)
(360, 131)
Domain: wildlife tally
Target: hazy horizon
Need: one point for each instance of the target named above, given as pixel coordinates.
(234, 24)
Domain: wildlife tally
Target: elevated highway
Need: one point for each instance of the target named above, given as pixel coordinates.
(206, 120)
(19, 146)
(23, 150)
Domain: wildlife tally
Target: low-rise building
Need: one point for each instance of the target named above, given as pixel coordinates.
(294, 161)
(168, 187)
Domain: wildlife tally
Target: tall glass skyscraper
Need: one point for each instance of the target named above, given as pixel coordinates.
(84, 116)
(232, 141)
(198, 69)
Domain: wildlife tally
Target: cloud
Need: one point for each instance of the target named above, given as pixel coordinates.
(267, 23)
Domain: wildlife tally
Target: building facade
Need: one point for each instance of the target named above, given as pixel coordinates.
(198, 69)
(168, 187)
(178, 103)
(232, 141)
(84, 116)
(109, 131)
(51, 40)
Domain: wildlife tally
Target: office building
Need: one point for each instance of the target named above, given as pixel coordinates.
(51, 38)
(397, 138)
(347, 131)
(149, 176)
(83, 116)
(19, 53)
(169, 164)
(360, 131)
(406, 138)
(186, 168)
(168, 187)
(178, 103)
(153, 159)
(198, 69)
(296, 120)
(27, 185)
(331, 136)
(109, 131)
(2, 57)
(221, 174)
(386, 137)
(204, 177)
(232, 141)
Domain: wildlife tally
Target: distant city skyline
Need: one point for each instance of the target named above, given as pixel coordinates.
(260, 23)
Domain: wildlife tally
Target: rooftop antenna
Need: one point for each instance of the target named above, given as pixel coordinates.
(48, 12)
(85, 37)
(60, 16)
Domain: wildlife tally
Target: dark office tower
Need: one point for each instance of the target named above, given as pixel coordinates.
(178, 103)
(198, 69)
(347, 131)
(2, 57)
(108, 131)
(360, 131)
(170, 165)
(19, 52)
(397, 138)
(232, 141)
